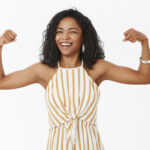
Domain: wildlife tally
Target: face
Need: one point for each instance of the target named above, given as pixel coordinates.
(68, 36)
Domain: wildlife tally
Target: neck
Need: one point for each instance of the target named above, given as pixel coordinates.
(70, 63)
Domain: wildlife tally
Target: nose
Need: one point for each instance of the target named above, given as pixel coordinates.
(65, 35)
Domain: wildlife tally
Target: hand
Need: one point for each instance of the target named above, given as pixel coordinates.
(7, 37)
(133, 35)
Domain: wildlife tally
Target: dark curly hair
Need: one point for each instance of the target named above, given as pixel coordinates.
(50, 53)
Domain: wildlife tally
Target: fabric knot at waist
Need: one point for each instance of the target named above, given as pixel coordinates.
(71, 128)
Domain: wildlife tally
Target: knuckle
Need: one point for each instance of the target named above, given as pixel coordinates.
(9, 30)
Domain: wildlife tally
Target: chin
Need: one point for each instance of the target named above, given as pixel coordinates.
(66, 53)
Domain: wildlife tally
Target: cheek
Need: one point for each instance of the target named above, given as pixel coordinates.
(56, 39)
(78, 41)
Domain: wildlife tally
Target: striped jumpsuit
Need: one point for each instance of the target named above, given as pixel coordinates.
(71, 98)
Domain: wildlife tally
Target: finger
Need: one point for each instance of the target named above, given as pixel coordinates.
(5, 41)
(128, 31)
(14, 39)
(125, 33)
(127, 37)
(8, 38)
(12, 36)
(13, 33)
(132, 38)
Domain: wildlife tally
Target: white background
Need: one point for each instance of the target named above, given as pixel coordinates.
(123, 109)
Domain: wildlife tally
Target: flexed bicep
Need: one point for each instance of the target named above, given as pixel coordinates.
(20, 78)
(123, 74)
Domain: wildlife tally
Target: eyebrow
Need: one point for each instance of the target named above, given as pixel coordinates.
(69, 28)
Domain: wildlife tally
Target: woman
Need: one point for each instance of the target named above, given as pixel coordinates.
(71, 69)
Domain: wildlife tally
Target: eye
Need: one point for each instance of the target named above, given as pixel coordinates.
(73, 32)
(59, 32)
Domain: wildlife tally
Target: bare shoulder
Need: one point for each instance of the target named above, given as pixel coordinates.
(100, 68)
(101, 63)
(98, 71)
(44, 72)
(39, 67)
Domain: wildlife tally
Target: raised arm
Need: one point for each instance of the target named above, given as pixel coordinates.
(19, 78)
(128, 75)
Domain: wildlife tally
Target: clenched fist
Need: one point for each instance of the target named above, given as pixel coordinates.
(133, 35)
(7, 37)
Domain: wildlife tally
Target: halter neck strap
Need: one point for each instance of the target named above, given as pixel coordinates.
(71, 68)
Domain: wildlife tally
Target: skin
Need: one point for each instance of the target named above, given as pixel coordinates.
(102, 69)
(69, 31)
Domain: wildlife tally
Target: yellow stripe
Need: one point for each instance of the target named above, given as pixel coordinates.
(58, 138)
(91, 137)
(49, 114)
(84, 78)
(73, 84)
(69, 127)
(88, 97)
(78, 134)
(62, 138)
(91, 103)
(54, 116)
(92, 109)
(89, 94)
(74, 148)
(67, 146)
(99, 140)
(68, 91)
(89, 107)
(83, 133)
(84, 114)
(55, 109)
(95, 137)
(90, 112)
(53, 138)
(59, 95)
(93, 117)
(72, 145)
(99, 92)
(52, 113)
(51, 119)
(63, 88)
(56, 103)
(50, 123)
(87, 137)
(78, 87)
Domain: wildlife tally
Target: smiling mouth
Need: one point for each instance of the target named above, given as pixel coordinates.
(65, 44)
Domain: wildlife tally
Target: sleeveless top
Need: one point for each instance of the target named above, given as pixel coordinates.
(72, 98)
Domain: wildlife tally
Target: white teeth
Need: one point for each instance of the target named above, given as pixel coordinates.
(66, 44)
